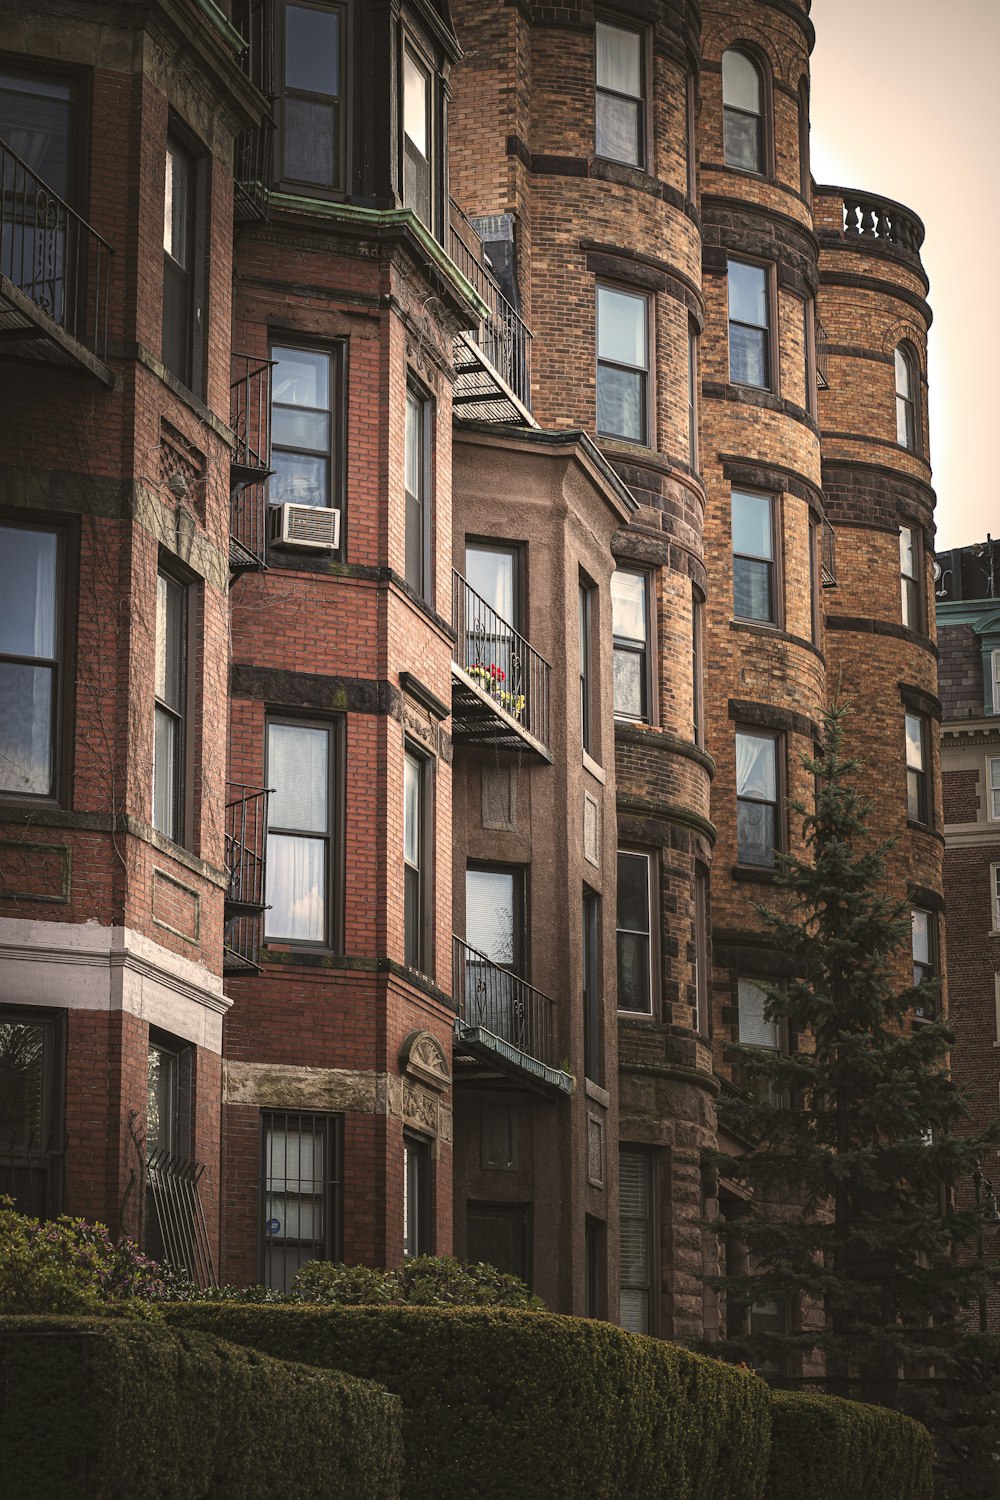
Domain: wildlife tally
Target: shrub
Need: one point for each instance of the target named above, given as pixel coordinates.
(501, 1403)
(117, 1408)
(67, 1265)
(823, 1448)
(426, 1280)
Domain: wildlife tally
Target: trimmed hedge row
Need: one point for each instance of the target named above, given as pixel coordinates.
(118, 1408)
(824, 1448)
(500, 1403)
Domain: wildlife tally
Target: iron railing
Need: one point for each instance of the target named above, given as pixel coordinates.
(52, 255)
(253, 153)
(503, 337)
(31, 1172)
(246, 862)
(500, 661)
(181, 1232)
(828, 555)
(250, 462)
(492, 999)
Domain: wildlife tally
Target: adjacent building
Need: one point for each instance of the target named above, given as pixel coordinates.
(455, 453)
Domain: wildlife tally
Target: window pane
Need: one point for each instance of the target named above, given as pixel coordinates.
(415, 93)
(742, 143)
(296, 888)
(617, 135)
(35, 123)
(621, 403)
(310, 141)
(752, 530)
(995, 772)
(27, 592)
(633, 892)
(748, 356)
(298, 478)
(903, 381)
(411, 810)
(748, 293)
(301, 429)
(904, 422)
(629, 668)
(161, 1099)
(740, 82)
(618, 59)
(755, 833)
(177, 205)
(906, 551)
(752, 593)
(914, 743)
(312, 50)
(298, 770)
(921, 937)
(414, 443)
(166, 754)
(490, 914)
(170, 622)
(414, 543)
(756, 768)
(755, 1030)
(416, 181)
(490, 572)
(633, 972)
(25, 729)
(628, 605)
(22, 1075)
(301, 378)
(621, 327)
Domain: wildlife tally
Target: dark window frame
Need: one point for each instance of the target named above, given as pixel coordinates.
(776, 572)
(911, 584)
(805, 152)
(779, 804)
(641, 100)
(182, 1126)
(650, 1157)
(815, 581)
(423, 504)
(702, 955)
(418, 1195)
(336, 351)
(344, 112)
(698, 666)
(929, 968)
(693, 393)
(635, 647)
(186, 784)
(592, 986)
(195, 319)
(20, 1158)
(771, 348)
(63, 664)
(519, 571)
(78, 146)
(646, 371)
(765, 167)
(332, 1126)
(809, 343)
(594, 1267)
(334, 838)
(910, 400)
(653, 958)
(585, 620)
(411, 43)
(419, 948)
(919, 801)
(691, 131)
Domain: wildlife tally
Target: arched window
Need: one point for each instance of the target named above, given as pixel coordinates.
(743, 112)
(906, 397)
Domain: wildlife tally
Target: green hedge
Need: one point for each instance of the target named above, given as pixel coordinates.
(501, 1404)
(827, 1449)
(117, 1408)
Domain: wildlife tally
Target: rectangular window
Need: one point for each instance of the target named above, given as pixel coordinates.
(31, 1111)
(995, 896)
(622, 364)
(493, 656)
(630, 626)
(619, 107)
(494, 915)
(418, 492)
(993, 765)
(697, 668)
(586, 694)
(754, 593)
(917, 780)
(634, 932)
(909, 577)
(170, 707)
(499, 1234)
(418, 1238)
(593, 1260)
(755, 1029)
(749, 325)
(302, 1193)
(593, 1058)
(809, 346)
(418, 771)
(31, 591)
(692, 383)
(702, 960)
(758, 830)
(815, 582)
(181, 313)
(312, 147)
(300, 821)
(174, 1229)
(305, 406)
(635, 1190)
(923, 943)
(417, 136)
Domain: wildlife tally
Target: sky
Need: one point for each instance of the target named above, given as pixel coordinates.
(904, 101)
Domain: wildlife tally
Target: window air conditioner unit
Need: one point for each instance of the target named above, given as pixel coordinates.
(305, 526)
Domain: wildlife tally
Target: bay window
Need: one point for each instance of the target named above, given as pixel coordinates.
(312, 114)
(758, 831)
(30, 649)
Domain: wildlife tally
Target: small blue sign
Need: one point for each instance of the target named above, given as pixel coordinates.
(274, 1226)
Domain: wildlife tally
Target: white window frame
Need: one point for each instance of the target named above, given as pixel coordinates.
(995, 679)
(993, 788)
(995, 898)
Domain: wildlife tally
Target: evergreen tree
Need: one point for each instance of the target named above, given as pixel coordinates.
(851, 1150)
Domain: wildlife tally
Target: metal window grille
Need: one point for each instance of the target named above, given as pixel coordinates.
(301, 1192)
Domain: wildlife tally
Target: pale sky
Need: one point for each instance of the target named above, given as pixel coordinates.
(904, 103)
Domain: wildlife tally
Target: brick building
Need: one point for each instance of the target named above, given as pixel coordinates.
(413, 703)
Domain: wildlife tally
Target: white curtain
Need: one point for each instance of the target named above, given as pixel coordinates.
(755, 769)
(296, 888)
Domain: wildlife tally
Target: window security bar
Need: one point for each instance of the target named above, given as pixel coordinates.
(31, 1172)
(52, 255)
(174, 1188)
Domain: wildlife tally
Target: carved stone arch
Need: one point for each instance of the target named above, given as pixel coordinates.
(423, 1057)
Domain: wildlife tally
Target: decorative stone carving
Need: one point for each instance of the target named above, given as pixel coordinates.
(424, 1058)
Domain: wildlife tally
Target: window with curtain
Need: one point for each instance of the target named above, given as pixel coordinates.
(312, 135)
(619, 105)
(742, 112)
(909, 576)
(757, 824)
(906, 387)
(917, 781)
(622, 364)
(755, 1029)
(301, 1192)
(754, 593)
(636, 1242)
(300, 832)
(417, 137)
(630, 628)
(749, 325)
(923, 945)
(30, 651)
(170, 707)
(634, 932)
(305, 395)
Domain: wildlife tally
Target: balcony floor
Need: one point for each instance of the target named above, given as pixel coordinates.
(481, 393)
(488, 1048)
(478, 719)
(28, 335)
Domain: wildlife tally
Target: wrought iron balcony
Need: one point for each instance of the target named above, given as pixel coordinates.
(505, 1022)
(246, 855)
(492, 365)
(54, 276)
(500, 684)
(253, 152)
(250, 463)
